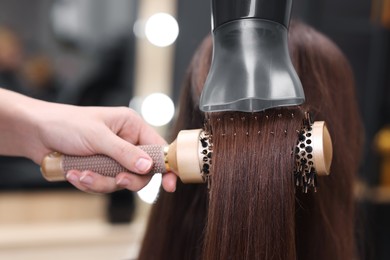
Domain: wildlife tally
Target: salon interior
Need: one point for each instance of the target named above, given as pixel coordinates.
(135, 53)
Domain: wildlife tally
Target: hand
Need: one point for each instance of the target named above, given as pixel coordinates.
(35, 128)
(96, 130)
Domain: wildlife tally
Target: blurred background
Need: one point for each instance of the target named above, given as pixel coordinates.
(135, 53)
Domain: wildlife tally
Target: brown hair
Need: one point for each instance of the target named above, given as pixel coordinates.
(252, 210)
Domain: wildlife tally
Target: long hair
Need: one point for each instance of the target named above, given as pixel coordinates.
(251, 209)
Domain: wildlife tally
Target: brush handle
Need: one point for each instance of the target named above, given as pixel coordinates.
(55, 165)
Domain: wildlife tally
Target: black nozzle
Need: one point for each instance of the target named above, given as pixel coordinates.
(224, 11)
(251, 68)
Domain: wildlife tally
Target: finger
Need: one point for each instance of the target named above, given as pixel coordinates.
(132, 181)
(146, 134)
(88, 181)
(127, 154)
(73, 177)
(169, 182)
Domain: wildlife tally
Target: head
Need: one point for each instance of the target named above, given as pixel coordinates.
(252, 209)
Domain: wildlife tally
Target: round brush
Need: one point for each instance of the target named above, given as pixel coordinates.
(188, 156)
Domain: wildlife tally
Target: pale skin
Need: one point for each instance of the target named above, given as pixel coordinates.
(32, 128)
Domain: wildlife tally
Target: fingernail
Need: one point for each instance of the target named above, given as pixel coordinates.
(86, 179)
(143, 165)
(124, 182)
(71, 177)
(173, 185)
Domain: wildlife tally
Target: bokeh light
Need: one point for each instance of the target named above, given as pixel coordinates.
(157, 109)
(161, 29)
(150, 192)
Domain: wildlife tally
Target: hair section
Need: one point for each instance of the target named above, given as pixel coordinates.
(251, 204)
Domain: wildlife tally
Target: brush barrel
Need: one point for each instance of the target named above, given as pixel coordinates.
(55, 165)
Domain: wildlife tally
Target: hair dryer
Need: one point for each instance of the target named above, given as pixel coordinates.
(251, 68)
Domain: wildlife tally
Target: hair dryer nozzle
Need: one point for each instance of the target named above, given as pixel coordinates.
(251, 69)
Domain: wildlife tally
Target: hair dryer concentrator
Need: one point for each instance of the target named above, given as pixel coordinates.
(251, 68)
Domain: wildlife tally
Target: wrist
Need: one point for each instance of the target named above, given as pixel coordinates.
(13, 125)
(19, 125)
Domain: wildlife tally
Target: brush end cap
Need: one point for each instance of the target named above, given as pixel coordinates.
(322, 147)
(189, 167)
(51, 167)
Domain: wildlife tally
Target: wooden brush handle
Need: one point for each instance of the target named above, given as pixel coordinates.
(55, 165)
